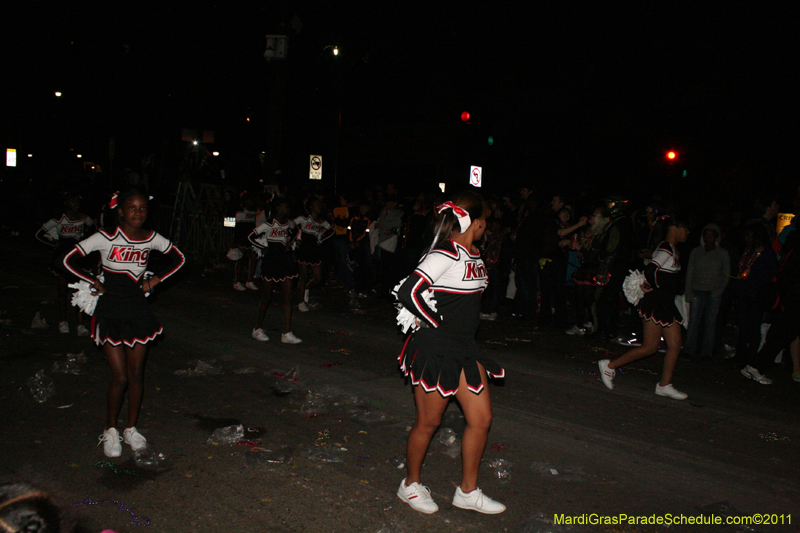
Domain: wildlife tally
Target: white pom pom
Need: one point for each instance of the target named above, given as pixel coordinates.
(405, 318)
(632, 286)
(84, 298)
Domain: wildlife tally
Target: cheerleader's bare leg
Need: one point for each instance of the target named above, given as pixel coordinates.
(478, 413)
(251, 265)
(316, 271)
(430, 408)
(127, 372)
(650, 342)
(672, 336)
(63, 299)
(301, 286)
(288, 294)
(119, 382)
(266, 299)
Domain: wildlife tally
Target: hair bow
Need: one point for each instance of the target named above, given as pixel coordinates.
(112, 204)
(463, 217)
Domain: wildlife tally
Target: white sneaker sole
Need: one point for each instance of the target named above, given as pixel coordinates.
(482, 511)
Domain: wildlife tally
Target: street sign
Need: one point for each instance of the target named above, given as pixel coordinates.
(11, 157)
(315, 167)
(475, 176)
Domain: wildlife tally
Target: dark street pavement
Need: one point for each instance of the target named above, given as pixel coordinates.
(574, 447)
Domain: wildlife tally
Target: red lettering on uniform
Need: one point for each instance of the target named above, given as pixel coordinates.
(474, 271)
(128, 254)
(115, 254)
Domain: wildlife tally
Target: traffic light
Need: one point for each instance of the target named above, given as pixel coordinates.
(672, 155)
(465, 117)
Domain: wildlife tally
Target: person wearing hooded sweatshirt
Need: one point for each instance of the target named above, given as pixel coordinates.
(707, 276)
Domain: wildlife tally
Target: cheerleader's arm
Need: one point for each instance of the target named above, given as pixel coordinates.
(176, 261)
(410, 294)
(254, 236)
(43, 236)
(71, 263)
(651, 274)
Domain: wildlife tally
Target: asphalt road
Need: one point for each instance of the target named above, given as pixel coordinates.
(570, 446)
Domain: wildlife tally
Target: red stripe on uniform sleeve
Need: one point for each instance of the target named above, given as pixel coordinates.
(416, 299)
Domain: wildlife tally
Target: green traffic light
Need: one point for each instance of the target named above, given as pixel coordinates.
(490, 140)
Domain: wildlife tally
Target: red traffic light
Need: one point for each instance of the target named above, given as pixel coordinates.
(671, 155)
(464, 116)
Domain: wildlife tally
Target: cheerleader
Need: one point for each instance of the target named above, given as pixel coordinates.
(122, 322)
(660, 316)
(275, 238)
(312, 230)
(442, 358)
(62, 233)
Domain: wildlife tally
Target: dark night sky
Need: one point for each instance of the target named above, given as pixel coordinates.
(569, 90)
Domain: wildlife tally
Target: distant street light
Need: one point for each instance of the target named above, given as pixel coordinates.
(58, 93)
(79, 156)
(671, 155)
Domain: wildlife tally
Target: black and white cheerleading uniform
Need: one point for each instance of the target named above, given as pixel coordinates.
(663, 275)
(278, 264)
(122, 314)
(62, 234)
(312, 233)
(435, 356)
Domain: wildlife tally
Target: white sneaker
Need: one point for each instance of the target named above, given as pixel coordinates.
(670, 392)
(134, 438)
(418, 497)
(63, 327)
(477, 501)
(606, 374)
(239, 287)
(83, 331)
(754, 374)
(111, 442)
(289, 338)
(302, 307)
(252, 286)
(259, 335)
(575, 330)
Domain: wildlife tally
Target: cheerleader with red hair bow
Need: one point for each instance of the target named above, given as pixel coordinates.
(122, 323)
(442, 358)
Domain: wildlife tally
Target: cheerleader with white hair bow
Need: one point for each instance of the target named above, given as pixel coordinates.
(442, 358)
